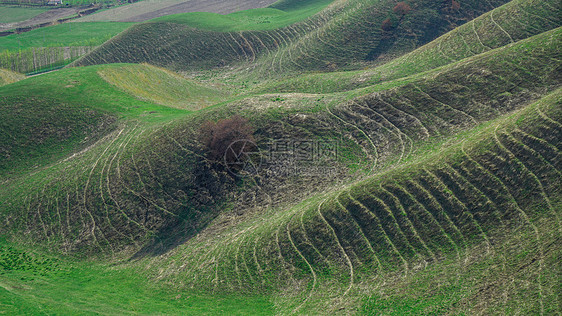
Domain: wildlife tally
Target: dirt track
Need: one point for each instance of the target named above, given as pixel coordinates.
(150, 9)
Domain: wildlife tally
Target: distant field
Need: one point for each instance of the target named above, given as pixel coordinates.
(40, 3)
(68, 34)
(10, 14)
(150, 9)
(254, 19)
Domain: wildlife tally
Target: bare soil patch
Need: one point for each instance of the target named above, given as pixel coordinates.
(149, 9)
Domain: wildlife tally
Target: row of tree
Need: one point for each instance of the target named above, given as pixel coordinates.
(40, 58)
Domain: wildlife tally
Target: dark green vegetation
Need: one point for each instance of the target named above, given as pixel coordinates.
(444, 197)
(512, 22)
(345, 33)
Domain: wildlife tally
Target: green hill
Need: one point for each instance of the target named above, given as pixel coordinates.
(71, 109)
(428, 182)
(509, 23)
(345, 33)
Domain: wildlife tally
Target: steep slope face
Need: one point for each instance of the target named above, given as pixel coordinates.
(512, 22)
(152, 180)
(345, 33)
(494, 196)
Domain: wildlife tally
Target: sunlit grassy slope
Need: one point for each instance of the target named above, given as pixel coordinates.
(73, 108)
(444, 196)
(7, 77)
(32, 282)
(162, 87)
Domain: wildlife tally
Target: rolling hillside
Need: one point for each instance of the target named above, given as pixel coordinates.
(509, 23)
(343, 34)
(408, 166)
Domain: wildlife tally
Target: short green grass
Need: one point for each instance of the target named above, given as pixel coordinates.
(412, 238)
(32, 282)
(161, 86)
(11, 14)
(67, 34)
(255, 19)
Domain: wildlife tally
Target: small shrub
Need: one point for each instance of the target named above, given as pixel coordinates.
(386, 25)
(455, 5)
(219, 136)
(330, 66)
(402, 8)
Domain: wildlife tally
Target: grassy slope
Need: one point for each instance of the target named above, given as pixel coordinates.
(10, 14)
(166, 170)
(403, 237)
(343, 34)
(276, 16)
(162, 87)
(69, 34)
(436, 215)
(71, 109)
(7, 77)
(32, 282)
(456, 242)
(509, 23)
